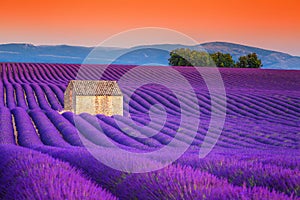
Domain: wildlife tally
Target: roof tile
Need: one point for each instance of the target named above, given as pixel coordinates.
(95, 88)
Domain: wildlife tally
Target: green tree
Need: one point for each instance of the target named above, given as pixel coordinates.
(223, 60)
(187, 57)
(179, 57)
(249, 61)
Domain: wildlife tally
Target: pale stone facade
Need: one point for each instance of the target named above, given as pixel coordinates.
(94, 97)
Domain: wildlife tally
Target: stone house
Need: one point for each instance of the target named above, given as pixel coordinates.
(94, 97)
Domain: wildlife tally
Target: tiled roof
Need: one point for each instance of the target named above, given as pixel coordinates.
(95, 88)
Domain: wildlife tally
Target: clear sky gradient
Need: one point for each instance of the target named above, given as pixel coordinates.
(270, 24)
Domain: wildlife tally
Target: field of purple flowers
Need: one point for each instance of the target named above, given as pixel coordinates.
(43, 151)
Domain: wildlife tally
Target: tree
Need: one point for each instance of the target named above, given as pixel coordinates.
(249, 61)
(179, 57)
(187, 57)
(223, 60)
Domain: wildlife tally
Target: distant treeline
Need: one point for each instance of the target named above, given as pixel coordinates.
(188, 57)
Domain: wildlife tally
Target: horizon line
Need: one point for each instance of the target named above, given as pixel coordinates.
(151, 44)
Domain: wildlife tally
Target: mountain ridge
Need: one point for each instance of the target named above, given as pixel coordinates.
(156, 54)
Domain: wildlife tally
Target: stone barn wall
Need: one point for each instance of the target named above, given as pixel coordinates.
(94, 97)
(117, 105)
(106, 105)
(69, 98)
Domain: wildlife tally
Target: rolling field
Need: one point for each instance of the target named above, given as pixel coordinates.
(45, 152)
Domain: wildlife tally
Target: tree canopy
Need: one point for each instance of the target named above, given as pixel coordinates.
(188, 57)
(249, 61)
(223, 60)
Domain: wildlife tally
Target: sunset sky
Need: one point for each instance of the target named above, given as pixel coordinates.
(268, 24)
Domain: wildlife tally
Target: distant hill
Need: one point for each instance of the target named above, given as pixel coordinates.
(139, 55)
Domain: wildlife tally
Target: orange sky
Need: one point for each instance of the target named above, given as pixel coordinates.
(269, 24)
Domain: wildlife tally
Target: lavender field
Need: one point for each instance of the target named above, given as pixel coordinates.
(44, 155)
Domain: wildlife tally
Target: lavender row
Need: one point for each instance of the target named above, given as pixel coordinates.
(27, 174)
(173, 182)
(239, 172)
(26, 132)
(65, 127)
(47, 131)
(6, 127)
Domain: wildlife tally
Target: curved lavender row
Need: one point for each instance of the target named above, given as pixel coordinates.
(35, 73)
(72, 69)
(27, 174)
(18, 71)
(26, 73)
(185, 104)
(69, 116)
(47, 131)
(162, 138)
(27, 135)
(7, 73)
(43, 103)
(63, 86)
(239, 172)
(154, 98)
(187, 183)
(149, 141)
(55, 105)
(173, 182)
(69, 132)
(58, 92)
(20, 96)
(182, 135)
(108, 121)
(259, 102)
(169, 130)
(281, 161)
(1, 92)
(15, 72)
(252, 109)
(49, 73)
(21, 72)
(166, 134)
(10, 76)
(43, 75)
(151, 101)
(140, 102)
(87, 130)
(138, 105)
(67, 72)
(277, 157)
(31, 73)
(283, 105)
(241, 133)
(43, 68)
(112, 74)
(56, 74)
(257, 110)
(31, 100)
(6, 127)
(111, 132)
(10, 99)
(60, 71)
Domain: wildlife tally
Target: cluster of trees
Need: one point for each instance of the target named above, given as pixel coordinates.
(188, 57)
